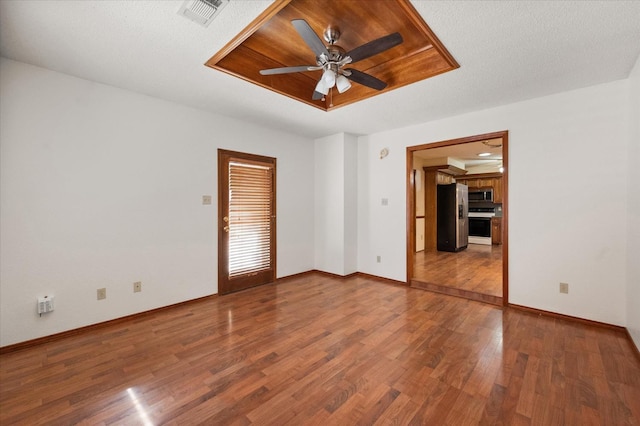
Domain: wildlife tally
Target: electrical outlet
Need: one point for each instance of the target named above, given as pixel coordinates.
(137, 287)
(378, 259)
(102, 293)
(564, 288)
(206, 199)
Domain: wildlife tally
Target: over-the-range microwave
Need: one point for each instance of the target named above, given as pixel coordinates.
(478, 195)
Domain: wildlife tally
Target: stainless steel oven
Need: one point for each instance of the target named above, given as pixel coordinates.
(480, 225)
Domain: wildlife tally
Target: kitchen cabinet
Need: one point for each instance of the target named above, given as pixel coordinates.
(486, 183)
(444, 179)
(496, 230)
(471, 183)
(497, 190)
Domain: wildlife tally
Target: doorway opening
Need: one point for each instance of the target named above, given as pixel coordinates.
(246, 220)
(478, 266)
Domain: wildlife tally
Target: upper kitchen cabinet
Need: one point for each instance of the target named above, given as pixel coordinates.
(497, 190)
(443, 178)
(472, 183)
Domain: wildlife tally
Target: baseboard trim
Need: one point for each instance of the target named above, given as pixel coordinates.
(344, 277)
(568, 317)
(332, 275)
(293, 276)
(636, 350)
(57, 336)
(360, 275)
(381, 279)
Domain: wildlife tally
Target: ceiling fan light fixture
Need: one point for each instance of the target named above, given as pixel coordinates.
(321, 87)
(343, 84)
(329, 78)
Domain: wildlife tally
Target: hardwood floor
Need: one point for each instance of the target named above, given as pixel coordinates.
(478, 268)
(320, 350)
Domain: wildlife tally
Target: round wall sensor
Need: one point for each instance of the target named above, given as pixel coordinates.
(384, 152)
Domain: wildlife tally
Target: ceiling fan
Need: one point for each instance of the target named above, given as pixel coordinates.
(332, 58)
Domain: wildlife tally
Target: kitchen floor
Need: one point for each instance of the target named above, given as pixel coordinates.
(478, 268)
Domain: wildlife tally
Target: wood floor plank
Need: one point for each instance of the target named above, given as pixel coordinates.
(319, 350)
(477, 269)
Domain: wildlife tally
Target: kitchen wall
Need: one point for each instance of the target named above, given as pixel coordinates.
(633, 208)
(567, 187)
(102, 187)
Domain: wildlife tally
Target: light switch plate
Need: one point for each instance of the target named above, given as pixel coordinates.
(206, 199)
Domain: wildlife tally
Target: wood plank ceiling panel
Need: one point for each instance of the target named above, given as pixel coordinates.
(271, 41)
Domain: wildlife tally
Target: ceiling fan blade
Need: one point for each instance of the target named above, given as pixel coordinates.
(286, 70)
(365, 79)
(317, 96)
(374, 47)
(310, 37)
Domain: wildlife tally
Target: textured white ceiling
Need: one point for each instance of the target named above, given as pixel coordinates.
(508, 51)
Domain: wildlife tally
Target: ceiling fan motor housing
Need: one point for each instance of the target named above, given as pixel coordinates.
(336, 53)
(331, 35)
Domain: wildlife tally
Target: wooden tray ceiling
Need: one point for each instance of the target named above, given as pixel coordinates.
(271, 41)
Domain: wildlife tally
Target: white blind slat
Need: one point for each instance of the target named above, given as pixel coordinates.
(250, 188)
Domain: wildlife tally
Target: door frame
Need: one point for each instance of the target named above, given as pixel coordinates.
(410, 207)
(224, 286)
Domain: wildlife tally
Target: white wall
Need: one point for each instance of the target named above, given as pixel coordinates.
(329, 204)
(633, 208)
(336, 204)
(350, 204)
(567, 189)
(102, 187)
(381, 228)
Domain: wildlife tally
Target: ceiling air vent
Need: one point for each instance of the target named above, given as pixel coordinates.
(202, 11)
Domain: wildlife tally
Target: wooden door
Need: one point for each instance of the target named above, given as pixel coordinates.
(246, 220)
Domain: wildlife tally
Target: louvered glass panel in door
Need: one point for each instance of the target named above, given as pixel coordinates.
(246, 220)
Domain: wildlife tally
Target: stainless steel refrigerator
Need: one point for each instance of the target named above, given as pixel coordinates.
(452, 217)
